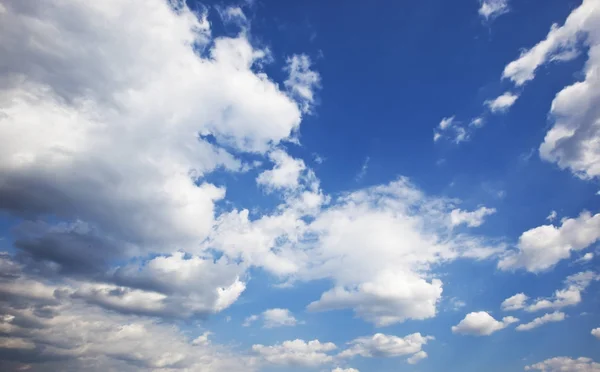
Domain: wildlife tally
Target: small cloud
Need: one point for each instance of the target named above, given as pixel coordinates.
(477, 122)
(585, 258)
(502, 103)
(552, 216)
(363, 169)
(491, 9)
(249, 320)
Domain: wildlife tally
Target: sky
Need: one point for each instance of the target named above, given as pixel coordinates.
(308, 186)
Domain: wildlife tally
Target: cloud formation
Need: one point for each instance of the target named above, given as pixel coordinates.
(491, 9)
(381, 345)
(572, 142)
(556, 316)
(481, 324)
(559, 364)
(544, 246)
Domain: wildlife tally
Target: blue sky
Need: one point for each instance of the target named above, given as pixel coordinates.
(300, 186)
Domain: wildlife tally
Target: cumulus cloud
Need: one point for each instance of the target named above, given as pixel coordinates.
(569, 296)
(491, 9)
(481, 324)
(556, 316)
(296, 353)
(558, 364)
(338, 369)
(542, 247)
(381, 345)
(502, 103)
(285, 174)
(302, 81)
(46, 328)
(585, 258)
(471, 219)
(596, 333)
(278, 318)
(572, 142)
(515, 302)
(375, 244)
(249, 320)
(452, 129)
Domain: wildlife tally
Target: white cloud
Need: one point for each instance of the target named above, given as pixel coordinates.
(552, 216)
(302, 81)
(542, 247)
(559, 364)
(572, 142)
(502, 103)
(363, 169)
(569, 296)
(585, 258)
(285, 174)
(559, 40)
(596, 333)
(404, 230)
(296, 353)
(477, 122)
(450, 128)
(338, 369)
(81, 103)
(446, 123)
(381, 345)
(278, 318)
(69, 334)
(233, 14)
(481, 324)
(537, 322)
(249, 320)
(515, 302)
(471, 219)
(491, 9)
(417, 357)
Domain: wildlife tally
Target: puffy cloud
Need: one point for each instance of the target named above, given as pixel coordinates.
(556, 316)
(302, 81)
(81, 143)
(552, 216)
(69, 107)
(249, 320)
(49, 329)
(515, 302)
(542, 247)
(585, 258)
(502, 103)
(558, 364)
(285, 174)
(338, 369)
(572, 142)
(481, 324)
(278, 318)
(381, 345)
(571, 295)
(375, 244)
(477, 122)
(471, 219)
(417, 357)
(389, 298)
(559, 41)
(383, 283)
(596, 332)
(449, 127)
(296, 353)
(491, 9)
